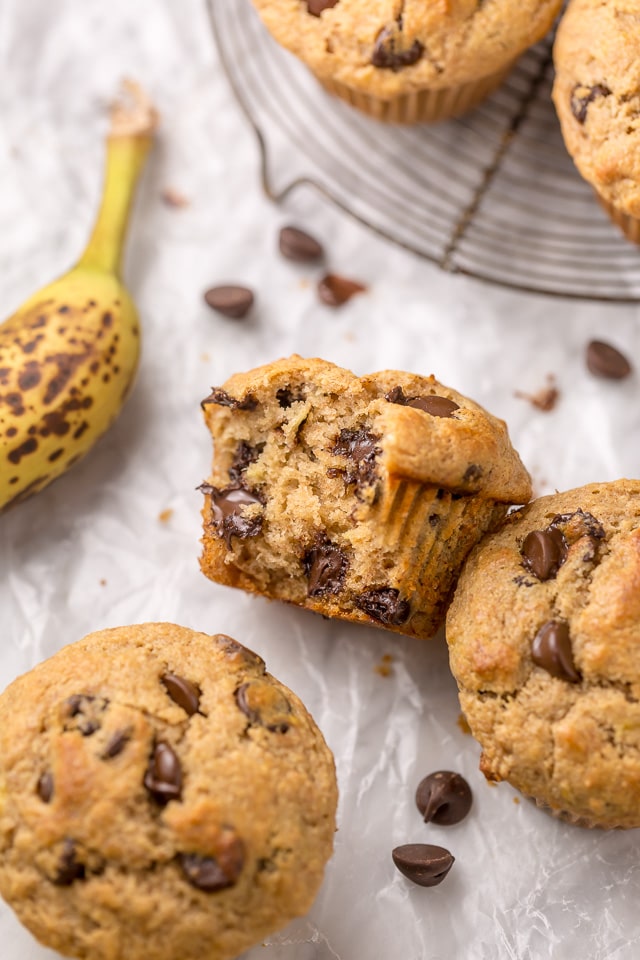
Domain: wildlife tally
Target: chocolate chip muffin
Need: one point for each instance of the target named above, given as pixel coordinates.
(408, 60)
(357, 497)
(161, 797)
(597, 97)
(544, 636)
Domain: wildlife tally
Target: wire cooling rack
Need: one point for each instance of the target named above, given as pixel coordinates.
(492, 195)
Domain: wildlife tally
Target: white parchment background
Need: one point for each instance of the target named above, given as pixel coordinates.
(91, 552)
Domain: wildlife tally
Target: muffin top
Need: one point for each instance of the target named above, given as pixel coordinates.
(161, 796)
(597, 96)
(544, 637)
(390, 47)
(428, 432)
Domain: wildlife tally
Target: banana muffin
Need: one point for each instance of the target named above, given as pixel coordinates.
(597, 98)
(407, 60)
(357, 497)
(161, 797)
(544, 637)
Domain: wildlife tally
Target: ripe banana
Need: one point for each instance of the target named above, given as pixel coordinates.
(68, 356)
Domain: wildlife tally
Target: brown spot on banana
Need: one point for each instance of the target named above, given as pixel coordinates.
(28, 446)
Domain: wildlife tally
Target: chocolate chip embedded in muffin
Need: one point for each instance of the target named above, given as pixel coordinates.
(551, 650)
(264, 706)
(84, 713)
(392, 51)
(315, 7)
(325, 565)
(544, 552)
(223, 399)
(183, 692)
(431, 404)
(384, 605)
(582, 96)
(163, 777)
(244, 456)
(227, 511)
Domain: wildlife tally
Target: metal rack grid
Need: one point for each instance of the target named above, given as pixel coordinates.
(492, 195)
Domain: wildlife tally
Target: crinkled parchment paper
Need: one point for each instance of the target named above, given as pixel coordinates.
(93, 550)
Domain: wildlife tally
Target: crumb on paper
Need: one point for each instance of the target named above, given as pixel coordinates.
(462, 723)
(516, 799)
(205, 357)
(544, 399)
(350, 336)
(384, 668)
(173, 198)
(165, 515)
(103, 582)
(304, 283)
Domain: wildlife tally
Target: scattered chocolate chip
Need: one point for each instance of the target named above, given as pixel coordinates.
(44, 788)
(603, 360)
(551, 650)
(299, 246)
(244, 456)
(182, 692)
(336, 291)
(214, 873)
(384, 605)
(265, 705)
(69, 868)
(360, 447)
(315, 7)
(582, 96)
(226, 512)
(543, 552)
(325, 565)
(116, 744)
(444, 797)
(223, 399)
(229, 300)
(163, 777)
(84, 711)
(423, 863)
(285, 397)
(434, 405)
(388, 52)
(233, 648)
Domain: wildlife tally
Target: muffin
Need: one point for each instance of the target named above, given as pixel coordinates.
(161, 797)
(356, 497)
(544, 637)
(408, 61)
(597, 97)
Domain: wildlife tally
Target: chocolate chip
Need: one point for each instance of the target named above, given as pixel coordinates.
(423, 863)
(233, 648)
(336, 291)
(388, 52)
(603, 360)
(244, 456)
(299, 246)
(432, 404)
(543, 552)
(214, 873)
(265, 705)
(182, 692)
(384, 605)
(582, 96)
(116, 744)
(285, 397)
(44, 788)
(576, 525)
(444, 797)
(551, 650)
(315, 7)
(325, 565)
(69, 868)
(163, 777)
(223, 399)
(226, 512)
(229, 300)
(360, 447)
(84, 711)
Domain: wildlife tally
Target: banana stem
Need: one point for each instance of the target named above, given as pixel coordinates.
(128, 142)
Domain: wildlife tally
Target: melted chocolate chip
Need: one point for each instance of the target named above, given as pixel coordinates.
(388, 51)
(359, 446)
(299, 246)
(325, 565)
(315, 7)
(116, 744)
(244, 456)
(230, 300)
(423, 863)
(582, 96)
(44, 788)
(69, 868)
(543, 552)
(578, 524)
(182, 692)
(84, 712)
(233, 648)
(444, 797)
(335, 291)
(285, 397)
(384, 605)
(226, 512)
(223, 399)
(214, 873)
(551, 650)
(264, 705)
(431, 404)
(603, 360)
(163, 777)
